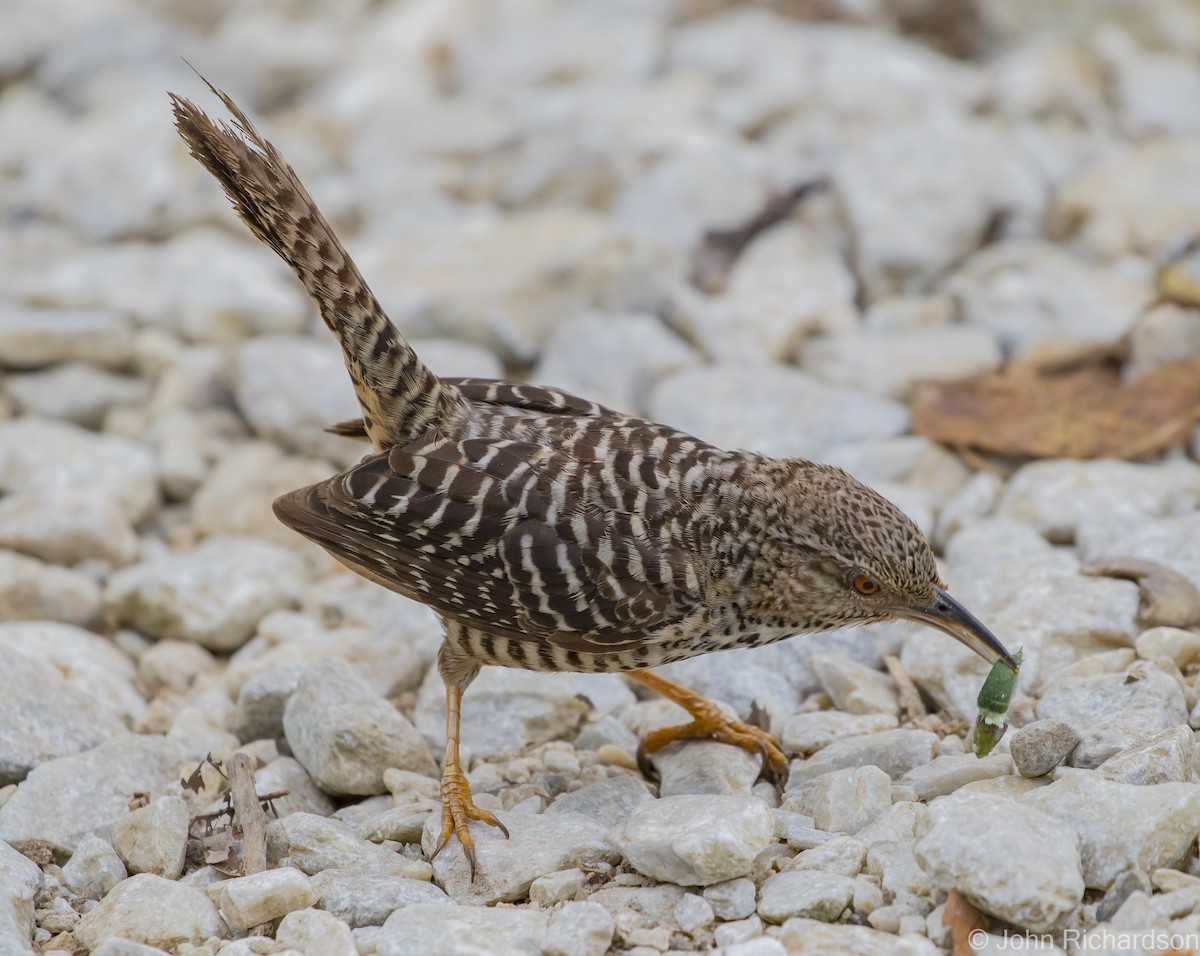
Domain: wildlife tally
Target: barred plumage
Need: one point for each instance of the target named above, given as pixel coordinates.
(552, 533)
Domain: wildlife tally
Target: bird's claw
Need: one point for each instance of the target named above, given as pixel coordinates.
(715, 725)
(458, 808)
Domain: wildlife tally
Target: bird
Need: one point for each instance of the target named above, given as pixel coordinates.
(551, 533)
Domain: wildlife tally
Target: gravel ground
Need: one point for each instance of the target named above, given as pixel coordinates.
(526, 186)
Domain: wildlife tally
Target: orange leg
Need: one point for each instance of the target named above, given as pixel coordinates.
(457, 805)
(708, 722)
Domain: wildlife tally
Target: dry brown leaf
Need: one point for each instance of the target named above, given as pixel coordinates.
(1166, 596)
(1082, 410)
(963, 920)
(217, 845)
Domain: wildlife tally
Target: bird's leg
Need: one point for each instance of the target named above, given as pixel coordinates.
(457, 805)
(708, 722)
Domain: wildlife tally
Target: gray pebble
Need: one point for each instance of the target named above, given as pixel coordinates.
(1039, 747)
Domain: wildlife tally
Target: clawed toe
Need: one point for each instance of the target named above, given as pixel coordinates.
(458, 808)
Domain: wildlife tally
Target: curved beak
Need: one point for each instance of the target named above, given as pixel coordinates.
(946, 614)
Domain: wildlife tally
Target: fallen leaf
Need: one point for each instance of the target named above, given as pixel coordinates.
(964, 921)
(217, 846)
(1167, 598)
(1077, 410)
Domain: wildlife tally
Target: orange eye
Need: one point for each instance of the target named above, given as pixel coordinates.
(865, 585)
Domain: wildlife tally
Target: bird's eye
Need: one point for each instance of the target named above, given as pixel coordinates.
(865, 585)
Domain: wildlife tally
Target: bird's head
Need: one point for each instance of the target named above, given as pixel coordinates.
(844, 554)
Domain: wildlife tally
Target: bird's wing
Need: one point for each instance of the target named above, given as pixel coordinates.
(488, 534)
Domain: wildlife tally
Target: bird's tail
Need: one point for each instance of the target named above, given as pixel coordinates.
(400, 397)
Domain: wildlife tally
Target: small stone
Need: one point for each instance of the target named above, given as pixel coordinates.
(738, 931)
(21, 881)
(807, 733)
(607, 802)
(1030, 293)
(425, 930)
(66, 800)
(945, 774)
(808, 893)
(693, 912)
(1124, 886)
(36, 338)
(556, 887)
(312, 844)
(233, 497)
(705, 766)
(898, 823)
(731, 899)
(361, 897)
(899, 246)
(75, 392)
(893, 363)
(842, 856)
(789, 821)
(1039, 747)
(89, 663)
(1174, 905)
(511, 304)
(1112, 712)
(868, 897)
(403, 824)
(1122, 826)
(246, 901)
(762, 946)
(578, 929)
(537, 844)
(32, 590)
(94, 868)
(786, 284)
(175, 665)
(854, 688)
(153, 839)
(1163, 758)
(67, 527)
(119, 946)
(345, 735)
(609, 732)
(899, 874)
(290, 388)
(845, 801)
(1173, 642)
(315, 931)
(1114, 207)
(772, 409)
(148, 909)
(808, 937)
(613, 359)
(49, 457)
(695, 840)
(213, 595)
(43, 716)
(893, 751)
(1011, 861)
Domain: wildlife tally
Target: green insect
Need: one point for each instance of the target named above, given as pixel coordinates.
(994, 698)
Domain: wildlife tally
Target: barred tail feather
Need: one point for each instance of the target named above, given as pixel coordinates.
(400, 397)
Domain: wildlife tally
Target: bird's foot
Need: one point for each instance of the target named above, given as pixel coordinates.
(458, 808)
(709, 722)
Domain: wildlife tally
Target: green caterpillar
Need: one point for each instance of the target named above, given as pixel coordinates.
(994, 698)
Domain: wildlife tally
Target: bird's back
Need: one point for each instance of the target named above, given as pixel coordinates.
(541, 517)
